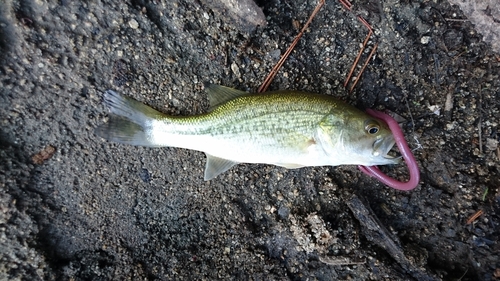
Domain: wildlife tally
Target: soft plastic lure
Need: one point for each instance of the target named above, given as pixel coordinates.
(410, 161)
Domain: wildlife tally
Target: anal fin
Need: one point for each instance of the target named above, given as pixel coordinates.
(216, 166)
(290, 165)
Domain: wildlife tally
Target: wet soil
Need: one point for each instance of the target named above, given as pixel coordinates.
(87, 209)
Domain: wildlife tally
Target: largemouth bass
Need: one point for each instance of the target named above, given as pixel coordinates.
(291, 129)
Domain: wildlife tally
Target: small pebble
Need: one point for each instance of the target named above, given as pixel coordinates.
(133, 24)
(425, 40)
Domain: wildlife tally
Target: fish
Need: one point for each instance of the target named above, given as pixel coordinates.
(286, 128)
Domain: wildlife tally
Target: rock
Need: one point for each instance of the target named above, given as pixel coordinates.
(244, 14)
(485, 18)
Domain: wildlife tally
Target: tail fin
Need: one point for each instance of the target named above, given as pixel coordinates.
(130, 121)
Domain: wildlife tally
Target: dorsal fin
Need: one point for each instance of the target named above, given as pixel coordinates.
(219, 94)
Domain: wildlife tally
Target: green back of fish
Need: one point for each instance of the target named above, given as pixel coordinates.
(271, 113)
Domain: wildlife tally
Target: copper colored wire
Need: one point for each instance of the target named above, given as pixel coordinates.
(279, 64)
(283, 58)
(348, 6)
(357, 59)
(364, 66)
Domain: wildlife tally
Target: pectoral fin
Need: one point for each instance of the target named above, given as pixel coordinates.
(216, 166)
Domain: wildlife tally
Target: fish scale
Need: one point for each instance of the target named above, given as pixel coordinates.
(291, 129)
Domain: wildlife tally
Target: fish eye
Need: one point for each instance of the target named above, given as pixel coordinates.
(372, 128)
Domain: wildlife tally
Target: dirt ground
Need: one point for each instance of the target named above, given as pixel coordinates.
(75, 207)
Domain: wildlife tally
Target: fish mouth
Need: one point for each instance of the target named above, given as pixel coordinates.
(384, 148)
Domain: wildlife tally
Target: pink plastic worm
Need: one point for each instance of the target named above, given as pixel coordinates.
(374, 171)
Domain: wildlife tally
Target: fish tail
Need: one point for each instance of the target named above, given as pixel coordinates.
(130, 121)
